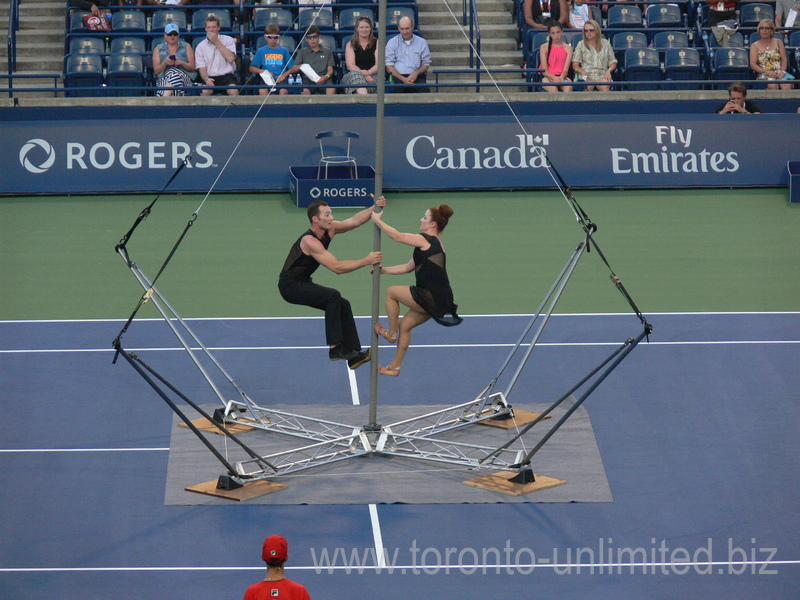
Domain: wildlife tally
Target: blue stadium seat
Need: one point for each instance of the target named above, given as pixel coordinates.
(664, 40)
(133, 45)
(682, 64)
(751, 13)
(76, 21)
(628, 16)
(574, 39)
(642, 64)
(224, 16)
(87, 45)
(731, 63)
(793, 52)
(395, 13)
(536, 39)
(163, 17)
(281, 17)
(83, 75)
(664, 15)
(349, 16)
(622, 42)
(128, 21)
(125, 70)
(321, 17)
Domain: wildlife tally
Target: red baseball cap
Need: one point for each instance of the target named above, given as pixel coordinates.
(275, 550)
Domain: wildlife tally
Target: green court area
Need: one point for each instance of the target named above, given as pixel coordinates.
(675, 251)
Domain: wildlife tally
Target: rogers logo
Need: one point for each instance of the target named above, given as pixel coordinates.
(49, 159)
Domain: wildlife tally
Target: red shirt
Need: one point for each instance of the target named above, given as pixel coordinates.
(283, 589)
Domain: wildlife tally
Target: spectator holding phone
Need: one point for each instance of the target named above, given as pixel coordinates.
(737, 102)
(173, 61)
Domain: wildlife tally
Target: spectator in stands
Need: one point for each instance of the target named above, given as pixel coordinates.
(768, 58)
(737, 101)
(273, 58)
(275, 552)
(361, 58)
(93, 6)
(130, 3)
(173, 61)
(320, 59)
(538, 13)
(215, 58)
(594, 60)
(782, 9)
(167, 2)
(721, 10)
(579, 13)
(555, 58)
(408, 58)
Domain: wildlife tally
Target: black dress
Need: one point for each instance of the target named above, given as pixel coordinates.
(433, 292)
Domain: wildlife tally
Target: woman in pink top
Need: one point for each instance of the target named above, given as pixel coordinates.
(555, 58)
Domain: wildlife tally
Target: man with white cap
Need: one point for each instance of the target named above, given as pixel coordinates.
(274, 552)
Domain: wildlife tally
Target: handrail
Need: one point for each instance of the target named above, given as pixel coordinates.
(11, 40)
(470, 17)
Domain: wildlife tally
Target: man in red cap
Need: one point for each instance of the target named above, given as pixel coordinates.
(274, 552)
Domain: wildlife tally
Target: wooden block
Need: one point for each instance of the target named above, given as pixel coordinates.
(499, 482)
(520, 418)
(206, 425)
(250, 490)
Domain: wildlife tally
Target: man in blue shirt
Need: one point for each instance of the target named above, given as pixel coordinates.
(273, 58)
(408, 58)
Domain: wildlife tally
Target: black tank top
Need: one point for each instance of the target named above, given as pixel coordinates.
(365, 59)
(300, 266)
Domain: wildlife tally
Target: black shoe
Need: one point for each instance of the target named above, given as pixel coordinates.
(341, 353)
(359, 359)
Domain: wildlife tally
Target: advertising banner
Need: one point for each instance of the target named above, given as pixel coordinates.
(458, 152)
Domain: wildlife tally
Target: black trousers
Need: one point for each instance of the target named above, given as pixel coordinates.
(340, 326)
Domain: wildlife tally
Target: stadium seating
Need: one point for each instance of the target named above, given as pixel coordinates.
(349, 16)
(731, 63)
(286, 41)
(83, 75)
(129, 21)
(628, 16)
(88, 45)
(281, 17)
(642, 64)
(664, 15)
(161, 18)
(754, 37)
(125, 69)
(76, 21)
(321, 17)
(664, 40)
(224, 16)
(751, 13)
(682, 64)
(395, 13)
(622, 42)
(129, 44)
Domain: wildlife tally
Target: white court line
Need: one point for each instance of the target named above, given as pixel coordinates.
(612, 569)
(485, 345)
(619, 314)
(14, 450)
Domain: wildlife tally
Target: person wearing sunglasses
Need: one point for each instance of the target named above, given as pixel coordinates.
(272, 58)
(768, 58)
(593, 60)
(320, 59)
(173, 62)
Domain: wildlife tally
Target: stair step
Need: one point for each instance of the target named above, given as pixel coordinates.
(445, 18)
(462, 45)
(460, 59)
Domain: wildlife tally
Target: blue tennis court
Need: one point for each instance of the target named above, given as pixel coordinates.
(696, 430)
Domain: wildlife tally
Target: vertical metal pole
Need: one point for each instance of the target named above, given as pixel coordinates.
(376, 241)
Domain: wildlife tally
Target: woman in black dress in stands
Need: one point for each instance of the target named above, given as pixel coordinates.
(431, 297)
(361, 58)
